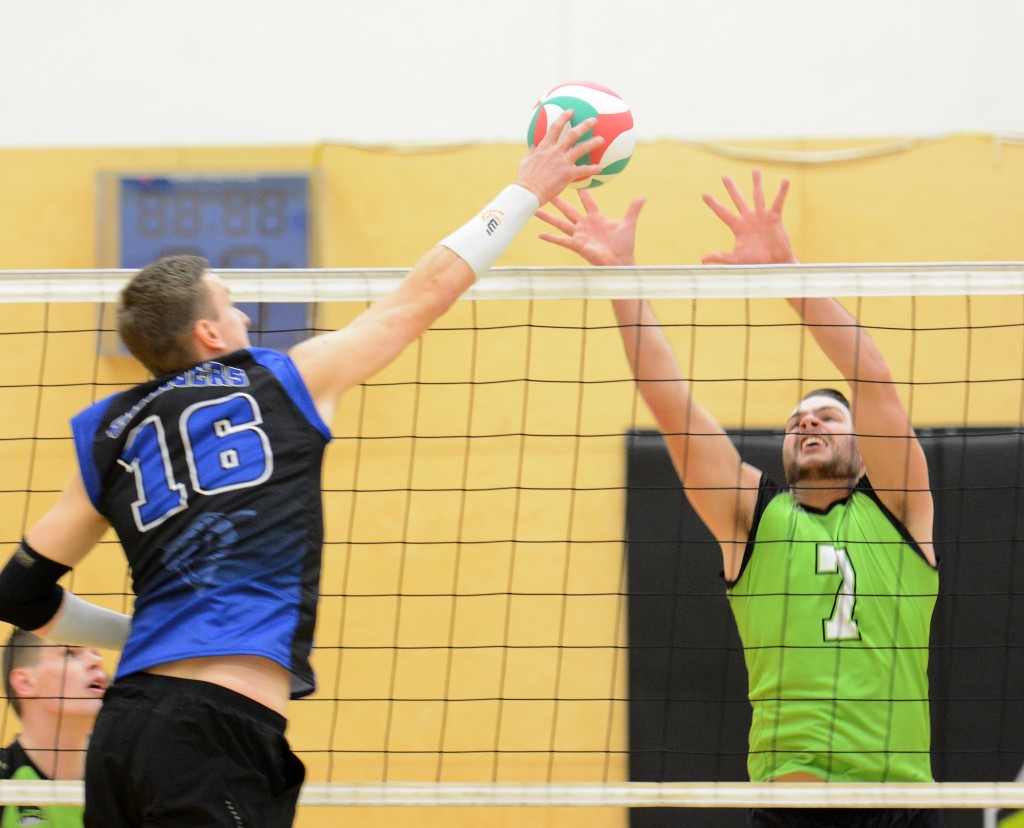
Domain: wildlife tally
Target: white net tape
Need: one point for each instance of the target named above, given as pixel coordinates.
(971, 795)
(940, 279)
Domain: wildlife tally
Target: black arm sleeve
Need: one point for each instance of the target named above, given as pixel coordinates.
(29, 594)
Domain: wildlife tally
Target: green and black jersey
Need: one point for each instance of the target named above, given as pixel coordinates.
(834, 611)
(15, 764)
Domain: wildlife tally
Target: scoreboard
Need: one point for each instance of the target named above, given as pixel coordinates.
(233, 220)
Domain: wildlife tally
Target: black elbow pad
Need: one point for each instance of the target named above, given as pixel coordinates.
(29, 594)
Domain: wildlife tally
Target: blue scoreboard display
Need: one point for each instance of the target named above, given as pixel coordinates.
(233, 221)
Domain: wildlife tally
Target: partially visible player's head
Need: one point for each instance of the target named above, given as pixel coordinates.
(831, 393)
(59, 679)
(820, 443)
(227, 329)
(158, 311)
(175, 313)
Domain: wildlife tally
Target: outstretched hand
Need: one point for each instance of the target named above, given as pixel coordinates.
(760, 236)
(599, 240)
(551, 166)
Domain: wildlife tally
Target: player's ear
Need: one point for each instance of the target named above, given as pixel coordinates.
(207, 335)
(23, 683)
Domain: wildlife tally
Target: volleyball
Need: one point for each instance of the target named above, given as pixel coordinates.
(614, 124)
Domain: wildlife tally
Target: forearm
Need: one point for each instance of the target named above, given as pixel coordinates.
(719, 487)
(841, 338)
(339, 360)
(87, 625)
(433, 286)
(648, 351)
(658, 375)
(446, 271)
(481, 240)
(31, 599)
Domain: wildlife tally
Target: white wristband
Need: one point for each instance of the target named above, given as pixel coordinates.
(87, 625)
(481, 240)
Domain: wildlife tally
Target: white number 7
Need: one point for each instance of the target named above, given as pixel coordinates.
(841, 626)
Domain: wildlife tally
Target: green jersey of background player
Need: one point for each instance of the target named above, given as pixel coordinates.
(56, 690)
(832, 579)
(15, 764)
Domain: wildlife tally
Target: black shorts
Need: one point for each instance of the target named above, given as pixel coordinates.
(174, 752)
(845, 818)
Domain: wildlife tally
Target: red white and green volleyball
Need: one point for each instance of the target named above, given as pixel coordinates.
(614, 124)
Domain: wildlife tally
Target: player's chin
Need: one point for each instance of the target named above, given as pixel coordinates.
(806, 469)
(82, 708)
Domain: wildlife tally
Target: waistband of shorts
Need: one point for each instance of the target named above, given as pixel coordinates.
(165, 685)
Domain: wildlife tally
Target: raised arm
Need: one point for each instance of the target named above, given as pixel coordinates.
(29, 595)
(891, 452)
(334, 362)
(890, 449)
(720, 487)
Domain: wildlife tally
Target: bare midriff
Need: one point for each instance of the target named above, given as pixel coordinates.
(258, 678)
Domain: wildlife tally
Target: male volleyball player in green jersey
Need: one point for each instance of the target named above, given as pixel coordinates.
(831, 578)
(56, 690)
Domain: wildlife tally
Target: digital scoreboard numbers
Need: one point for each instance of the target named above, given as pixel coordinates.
(258, 222)
(235, 222)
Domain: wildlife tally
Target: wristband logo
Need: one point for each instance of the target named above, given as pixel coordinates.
(492, 219)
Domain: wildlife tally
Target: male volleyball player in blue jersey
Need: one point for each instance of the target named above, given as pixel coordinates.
(831, 578)
(210, 475)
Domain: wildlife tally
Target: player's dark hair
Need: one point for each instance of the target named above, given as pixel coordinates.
(158, 310)
(21, 650)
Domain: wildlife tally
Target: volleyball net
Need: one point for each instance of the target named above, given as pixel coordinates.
(516, 608)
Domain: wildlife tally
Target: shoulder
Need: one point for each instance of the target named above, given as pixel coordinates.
(281, 365)
(287, 373)
(91, 416)
(885, 521)
(269, 358)
(864, 493)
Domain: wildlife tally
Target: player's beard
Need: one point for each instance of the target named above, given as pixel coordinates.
(843, 465)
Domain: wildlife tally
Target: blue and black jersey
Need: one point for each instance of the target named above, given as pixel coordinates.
(211, 479)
